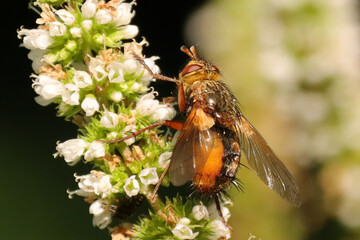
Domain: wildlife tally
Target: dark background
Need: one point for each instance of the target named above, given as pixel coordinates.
(33, 200)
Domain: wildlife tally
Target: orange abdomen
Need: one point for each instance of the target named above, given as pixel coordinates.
(205, 178)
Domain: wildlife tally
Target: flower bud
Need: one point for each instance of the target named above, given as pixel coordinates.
(66, 16)
(129, 31)
(76, 32)
(71, 150)
(88, 9)
(87, 24)
(90, 105)
(71, 45)
(116, 96)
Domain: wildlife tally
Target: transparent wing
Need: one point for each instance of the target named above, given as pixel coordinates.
(266, 164)
(192, 148)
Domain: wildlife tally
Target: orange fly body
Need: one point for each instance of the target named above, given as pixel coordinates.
(214, 134)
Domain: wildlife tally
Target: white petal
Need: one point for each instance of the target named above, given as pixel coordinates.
(88, 9)
(182, 231)
(96, 208)
(96, 149)
(87, 24)
(97, 68)
(129, 31)
(132, 186)
(124, 14)
(103, 17)
(76, 32)
(109, 119)
(90, 106)
(149, 176)
(66, 16)
(82, 79)
(200, 212)
(72, 150)
(115, 74)
(116, 96)
(164, 159)
(36, 38)
(102, 220)
(220, 230)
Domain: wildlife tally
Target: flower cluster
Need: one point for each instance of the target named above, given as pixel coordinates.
(83, 62)
(192, 220)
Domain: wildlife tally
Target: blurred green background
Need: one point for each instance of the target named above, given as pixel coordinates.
(293, 65)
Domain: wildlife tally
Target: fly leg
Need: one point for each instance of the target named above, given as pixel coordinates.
(153, 195)
(218, 208)
(172, 124)
(181, 95)
(154, 75)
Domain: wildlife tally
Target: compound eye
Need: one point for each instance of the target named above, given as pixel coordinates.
(190, 68)
(215, 68)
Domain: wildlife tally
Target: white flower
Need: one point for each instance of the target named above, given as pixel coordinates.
(115, 74)
(124, 14)
(116, 96)
(129, 31)
(148, 106)
(71, 150)
(132, 186)
(150, 62)
(97, 68)
(41, 101)
(96, 149)
(82, 79)
(88, 9)
(103, 186)
(47, 87)
(97, 208)
(109, 119)
(128, 130)
(132, 66)
(200, 212)
(220, 230)
(214, 213)
(71, 96)
(76, 32)
(66, 16)
(164, 159)
(94, 184)
(90, 105)
(163, 112)
(149, 176)
(36, 55)
(56, 29)
(135, 87)
(87, 24)
(183, 231)
(103, 17)
(102, 217)
(35, 38)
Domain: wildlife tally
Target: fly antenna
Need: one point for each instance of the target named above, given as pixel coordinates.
(191, 53)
